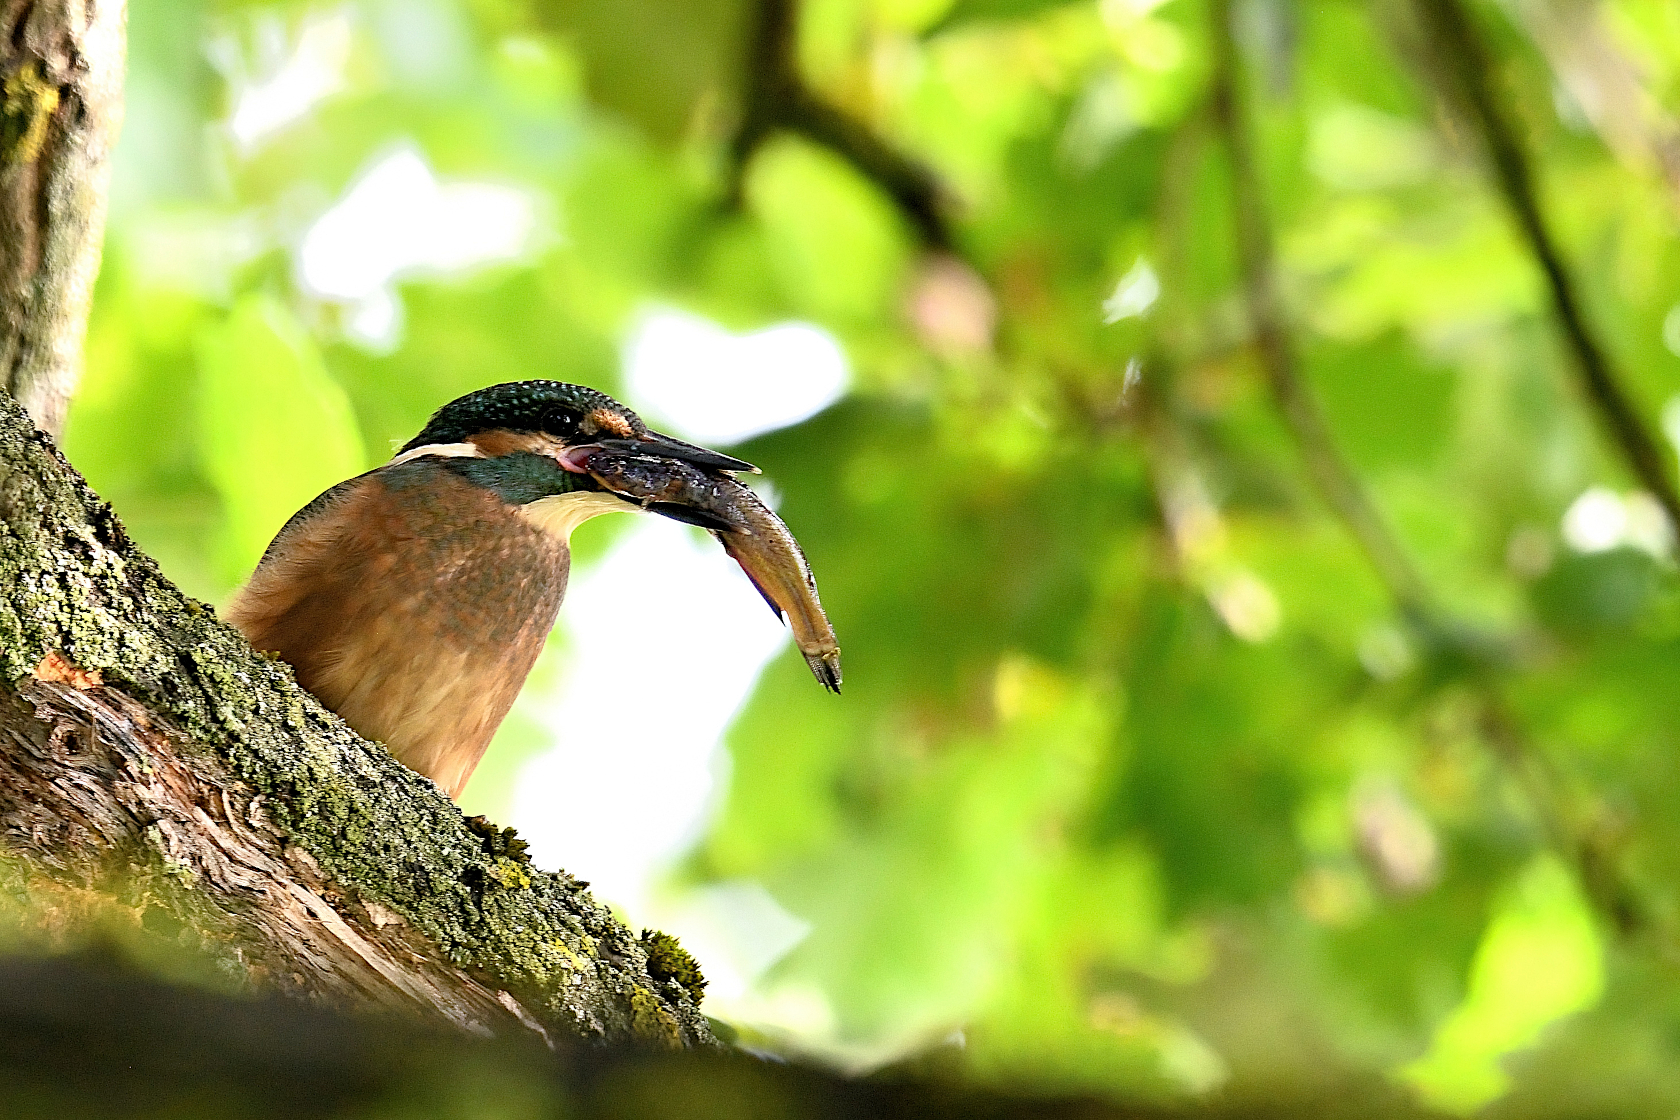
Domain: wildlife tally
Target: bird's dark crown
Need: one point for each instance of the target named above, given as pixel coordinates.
(553, 407)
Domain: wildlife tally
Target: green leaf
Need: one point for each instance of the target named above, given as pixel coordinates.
(987, 11)
(653, 61)
(1539, 961)
(275, 430)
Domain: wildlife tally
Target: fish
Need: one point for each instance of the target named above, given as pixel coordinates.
(750, 532)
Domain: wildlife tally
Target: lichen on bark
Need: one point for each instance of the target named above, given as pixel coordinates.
(259, 792)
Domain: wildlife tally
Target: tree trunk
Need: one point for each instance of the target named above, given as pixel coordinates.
(61, 73)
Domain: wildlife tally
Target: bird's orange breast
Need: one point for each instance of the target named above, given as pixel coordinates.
(413, 604)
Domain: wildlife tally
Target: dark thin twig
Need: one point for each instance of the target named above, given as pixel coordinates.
(1465, 58)
(1336, 482)
(1601, 877)
(775, 98)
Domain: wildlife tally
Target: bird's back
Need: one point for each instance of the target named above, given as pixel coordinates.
(413, 604)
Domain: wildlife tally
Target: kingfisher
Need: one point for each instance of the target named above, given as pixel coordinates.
(413, 600)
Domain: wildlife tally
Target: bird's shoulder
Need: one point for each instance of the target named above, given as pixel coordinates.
(391, 531)
(319, 508)
(400, 490)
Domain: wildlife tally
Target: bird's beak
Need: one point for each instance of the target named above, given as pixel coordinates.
(665, 447)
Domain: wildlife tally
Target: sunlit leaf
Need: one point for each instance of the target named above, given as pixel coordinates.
(1539, 961)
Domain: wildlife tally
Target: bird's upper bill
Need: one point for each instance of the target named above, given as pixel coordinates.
(652, 445)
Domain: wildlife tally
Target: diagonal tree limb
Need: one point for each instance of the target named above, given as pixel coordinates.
(1337, 484)
(1601, 876)
(1461, 55)
(775, 98)
(153, 766)
(149, 758)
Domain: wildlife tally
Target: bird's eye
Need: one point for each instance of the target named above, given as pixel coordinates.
(560, 422)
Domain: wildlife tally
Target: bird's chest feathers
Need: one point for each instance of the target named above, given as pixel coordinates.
(466, 566)
(485, 569)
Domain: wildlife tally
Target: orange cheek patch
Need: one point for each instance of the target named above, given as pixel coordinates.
(502, 442)
(606, 420)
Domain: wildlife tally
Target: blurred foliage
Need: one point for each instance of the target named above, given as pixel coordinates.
(1141, 781)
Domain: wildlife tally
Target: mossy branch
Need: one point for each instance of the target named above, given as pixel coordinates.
(138, 733)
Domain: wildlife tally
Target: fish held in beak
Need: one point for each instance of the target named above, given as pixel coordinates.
(748, 530)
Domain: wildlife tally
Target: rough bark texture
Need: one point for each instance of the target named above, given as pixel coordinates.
(61, 74)
(149, 756)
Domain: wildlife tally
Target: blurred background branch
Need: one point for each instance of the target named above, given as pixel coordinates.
(1337, 485)
(776, 98)
(1485, 657)
(1462, 55)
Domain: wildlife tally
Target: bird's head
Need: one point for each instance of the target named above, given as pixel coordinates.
(528, 441)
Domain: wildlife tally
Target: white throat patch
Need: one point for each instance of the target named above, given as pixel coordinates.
(559, 514)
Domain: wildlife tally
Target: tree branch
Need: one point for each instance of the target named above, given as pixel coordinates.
(776, 98)
(61, 74)
(148, 755)
(1604, 880)
(1336, 483)
(1465, 59)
